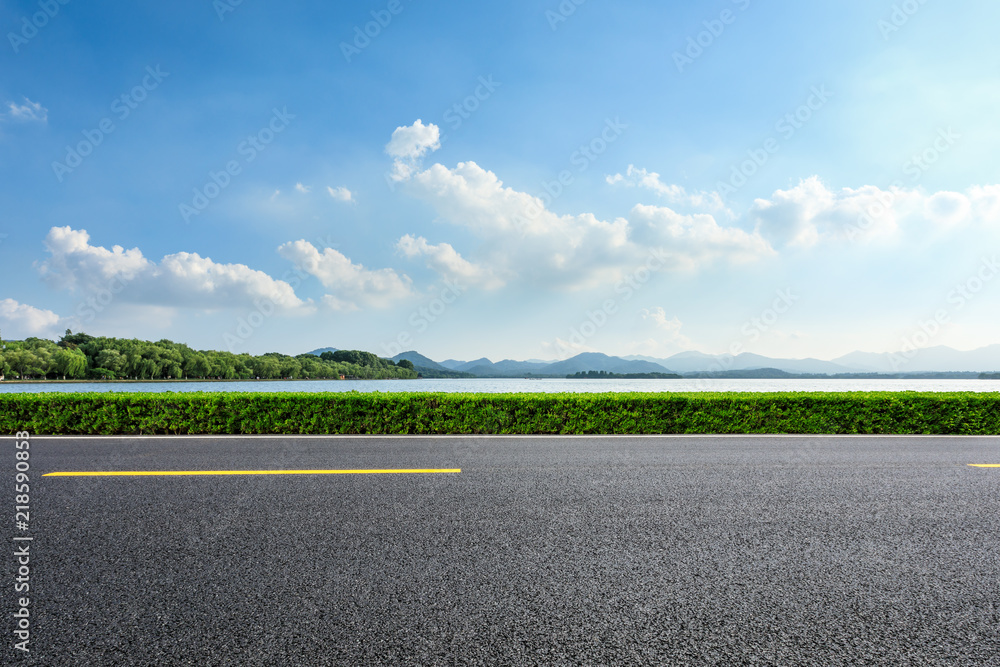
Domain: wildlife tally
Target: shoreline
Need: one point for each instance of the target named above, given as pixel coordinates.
(3, 382)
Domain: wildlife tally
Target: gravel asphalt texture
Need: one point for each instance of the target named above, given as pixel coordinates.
(736, 550)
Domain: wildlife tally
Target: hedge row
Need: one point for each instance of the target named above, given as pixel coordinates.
(378, 413)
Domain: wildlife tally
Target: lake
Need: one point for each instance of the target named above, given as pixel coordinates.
(517, 385)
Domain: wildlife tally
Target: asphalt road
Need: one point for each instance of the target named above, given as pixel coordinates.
(542, 551)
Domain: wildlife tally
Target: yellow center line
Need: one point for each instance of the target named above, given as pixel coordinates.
(985, 465)
(149, 473)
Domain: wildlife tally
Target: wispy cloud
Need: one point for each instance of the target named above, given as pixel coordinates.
(341, 194)
(29, 112)
(447, 262)
(665, 333)
(675, 194)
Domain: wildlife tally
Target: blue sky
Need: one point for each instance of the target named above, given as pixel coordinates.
(518, 180)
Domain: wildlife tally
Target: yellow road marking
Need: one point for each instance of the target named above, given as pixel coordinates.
(985, 465)
(148, 473)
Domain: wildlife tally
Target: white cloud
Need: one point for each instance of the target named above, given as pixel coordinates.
(658, 316)
(341, 194)
(410, 143)
(181, 280)
(517, 239)
(26, 320)
(810, 212)
(352, 286)
(694, 241)
(446, 261)
(675, 194)
(985, 202)
(413, 141)
(74, 263)
(28, 112)
(948, 208)
(666, 336)
(304, 189)
(522, 239)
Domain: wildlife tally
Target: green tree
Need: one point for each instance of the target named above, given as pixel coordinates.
(133, 364)
(290, 368)
(196, 365)
(69, 363)
(76, 339)
(357, 357)
(265, 368)
(110, 359)
(25, 363)
(170, 360)
(78, 355)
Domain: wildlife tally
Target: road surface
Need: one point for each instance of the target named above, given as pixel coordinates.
(541, 551)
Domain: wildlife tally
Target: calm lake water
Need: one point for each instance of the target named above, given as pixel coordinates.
(517, 385)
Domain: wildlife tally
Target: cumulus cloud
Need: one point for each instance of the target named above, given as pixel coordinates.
(351, 285)
(519, 239)
(521, 236)
(447, 262)
(178, 280)
(802, 215)
(413, 141)
(304, 189)
(28, 112)
(21, 320)
(694, 241)
(341, 194)
(675, 194)
(811, 212)
(74, 263)
(409, 144)
(523, 239)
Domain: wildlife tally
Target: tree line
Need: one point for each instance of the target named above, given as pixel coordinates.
(608, 375)
(81, 356)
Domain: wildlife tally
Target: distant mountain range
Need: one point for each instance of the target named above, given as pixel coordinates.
(588, 361)
(698, 362)
(939, 358)
(927, 360)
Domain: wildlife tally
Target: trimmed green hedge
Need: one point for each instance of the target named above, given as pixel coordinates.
(378, 413)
